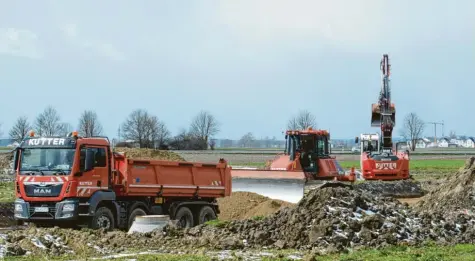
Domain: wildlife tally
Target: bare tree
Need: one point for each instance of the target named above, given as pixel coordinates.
(66, 128)
(413, 129)
(302, 121)
(89, 124)
(48, 123)
(145, 129)
(247, 140)
(204, 126)
(20, 130)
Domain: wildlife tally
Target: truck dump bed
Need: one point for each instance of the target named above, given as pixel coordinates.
(134, 177)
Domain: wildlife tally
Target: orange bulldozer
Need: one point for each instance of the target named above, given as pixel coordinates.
(306, 161)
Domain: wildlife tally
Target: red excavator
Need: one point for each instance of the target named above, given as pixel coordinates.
(379, 161)
(306, 162)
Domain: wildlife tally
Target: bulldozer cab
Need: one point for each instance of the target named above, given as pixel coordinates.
(308, 147)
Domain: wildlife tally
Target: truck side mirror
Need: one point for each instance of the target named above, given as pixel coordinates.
(89, 163)
(16, 157)
(356, 140)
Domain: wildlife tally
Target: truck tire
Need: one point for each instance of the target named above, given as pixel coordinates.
(206, 214)
(184, 216)
(103, 218)
(136, 212)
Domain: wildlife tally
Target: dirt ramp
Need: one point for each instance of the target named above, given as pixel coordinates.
(454, 194)
(243, 205)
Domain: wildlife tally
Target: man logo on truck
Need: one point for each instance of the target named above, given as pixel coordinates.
(42, 191)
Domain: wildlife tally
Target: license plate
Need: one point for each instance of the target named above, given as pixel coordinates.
(41, 209)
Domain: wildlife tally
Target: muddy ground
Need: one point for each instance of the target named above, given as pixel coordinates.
(327, 220)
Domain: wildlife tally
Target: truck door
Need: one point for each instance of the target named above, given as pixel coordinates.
(97, 178)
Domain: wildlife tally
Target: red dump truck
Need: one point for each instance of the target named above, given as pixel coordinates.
(80, 181)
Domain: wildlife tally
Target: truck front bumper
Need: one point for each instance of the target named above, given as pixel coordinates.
(63, 210)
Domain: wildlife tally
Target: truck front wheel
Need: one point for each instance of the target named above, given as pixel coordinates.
(103, 218)
(184, 217)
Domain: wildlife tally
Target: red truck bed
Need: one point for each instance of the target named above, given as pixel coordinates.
(137, 177)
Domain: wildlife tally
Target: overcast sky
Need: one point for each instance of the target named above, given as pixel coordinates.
(253, 64)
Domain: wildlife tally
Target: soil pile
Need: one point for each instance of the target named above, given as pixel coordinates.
(243, 205)
(333, 219)
(150, 154)
(398, 189)
(326, 220)
(5, 159)
(6, 214)
(454, 194)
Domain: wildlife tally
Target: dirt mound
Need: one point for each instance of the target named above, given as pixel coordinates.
(5, 159)
(6, 214)
(398, 189)
(242, 205)
(455, 193)
(150, 154)
(326, 220)
(334, 219)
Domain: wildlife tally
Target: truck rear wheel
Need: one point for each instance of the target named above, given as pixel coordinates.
(136, 213)
(184, 216)
(206, 214)
(103, 218)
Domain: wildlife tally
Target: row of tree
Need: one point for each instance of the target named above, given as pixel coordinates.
(139, 128)
(147, 131)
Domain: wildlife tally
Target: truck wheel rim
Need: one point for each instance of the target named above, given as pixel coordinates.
(183, 222)
(103, 222)
(206, 218)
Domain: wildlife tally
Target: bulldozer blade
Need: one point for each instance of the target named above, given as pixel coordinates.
(281, 185)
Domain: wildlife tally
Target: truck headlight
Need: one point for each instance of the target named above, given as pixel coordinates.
(68, 207)
(18, 208)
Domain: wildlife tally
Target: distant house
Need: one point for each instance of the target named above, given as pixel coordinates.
(420, 143)
(469, 142)
(443, 142)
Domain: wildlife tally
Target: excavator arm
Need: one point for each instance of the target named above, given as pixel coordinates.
(384, 112)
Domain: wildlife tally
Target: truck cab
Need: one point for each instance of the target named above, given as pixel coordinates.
(55, 177)
(79, 181)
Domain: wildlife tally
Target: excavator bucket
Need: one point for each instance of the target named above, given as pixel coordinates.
(276, 184)
(376, 114)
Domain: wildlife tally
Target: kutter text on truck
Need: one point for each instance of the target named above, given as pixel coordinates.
(79, 181)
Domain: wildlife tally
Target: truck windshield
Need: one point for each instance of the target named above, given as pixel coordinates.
(48, 161)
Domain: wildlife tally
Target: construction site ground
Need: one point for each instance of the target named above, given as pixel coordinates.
(328, 224)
